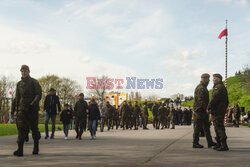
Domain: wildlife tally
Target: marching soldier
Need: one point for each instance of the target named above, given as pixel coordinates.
(162, 115)
(171, 116)
(136, 115)
(124, 115)
(109, 115)
(145, 116)
(28, 95)
(130, 115)
(155, 115)
(80, 114)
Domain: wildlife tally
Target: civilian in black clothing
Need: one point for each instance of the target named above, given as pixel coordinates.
(66, 117)
(52, 108)
(94, 116)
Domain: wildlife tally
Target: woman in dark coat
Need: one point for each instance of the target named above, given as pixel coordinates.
(93, 117)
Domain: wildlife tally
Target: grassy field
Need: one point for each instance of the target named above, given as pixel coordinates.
(10, 129)
(246, 124)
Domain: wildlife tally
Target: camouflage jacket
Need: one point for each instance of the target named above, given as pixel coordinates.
(124, 110)
(219, 101)
(28, 94)
(80, 109)
(136, 111)
(201, 99)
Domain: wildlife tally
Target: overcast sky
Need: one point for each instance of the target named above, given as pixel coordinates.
(150, 39)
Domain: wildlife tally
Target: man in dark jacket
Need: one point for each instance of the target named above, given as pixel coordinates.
(93, 117)
(218, 107)
(52, 107)
(201, 100)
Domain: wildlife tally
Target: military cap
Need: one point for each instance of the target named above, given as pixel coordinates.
(129, 102)
(25, 67)
(66, 105)
(205, 75)
(218, 76)
(52, 90)
(107, 102)
(81, 94)
(124, 101)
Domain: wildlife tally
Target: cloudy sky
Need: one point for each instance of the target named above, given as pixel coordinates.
(173, 40)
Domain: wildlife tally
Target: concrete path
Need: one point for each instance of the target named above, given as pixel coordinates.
(130, 148)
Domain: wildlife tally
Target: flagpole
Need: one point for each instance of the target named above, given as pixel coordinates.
(226, 59)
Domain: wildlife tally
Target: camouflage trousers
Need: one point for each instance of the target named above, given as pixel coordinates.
(201, 122)
(80, 125)
(155, 122)
(27, 120)
(145, 121)
(219, 128)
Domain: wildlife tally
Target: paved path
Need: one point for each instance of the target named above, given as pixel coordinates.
(130, 148)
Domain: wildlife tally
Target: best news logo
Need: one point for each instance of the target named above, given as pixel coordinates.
(132, 83)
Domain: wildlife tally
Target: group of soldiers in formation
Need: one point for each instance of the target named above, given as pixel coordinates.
(29, 93)
(128, 116)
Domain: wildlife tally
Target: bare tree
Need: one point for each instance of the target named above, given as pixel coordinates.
(100, 91)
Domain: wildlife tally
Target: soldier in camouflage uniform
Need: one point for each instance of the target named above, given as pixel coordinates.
(162, 111)
(236, 114)
(124, 115)
(116, 117)
(201, 100)
(13, 112)
(167, 115)
(28, 95)
(145, 116)
(80, 115)
(136, 115)
(218, 107)
(171, 116)
(130, 115)
(155, 116)
(109, 114)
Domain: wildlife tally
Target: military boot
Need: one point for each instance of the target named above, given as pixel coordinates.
(218, 144)
(19, 151)
(197, 145)
(223, 146)
(36, 147)
(211, 144)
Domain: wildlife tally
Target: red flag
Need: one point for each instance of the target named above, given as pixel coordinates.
(223, 33)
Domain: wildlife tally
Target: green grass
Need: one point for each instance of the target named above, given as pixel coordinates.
(11, 129)
(246, 124)
(237, 93)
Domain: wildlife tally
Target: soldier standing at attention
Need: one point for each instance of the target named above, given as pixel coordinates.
(28, 95)
(201, 100)
(145, 116)
(218, 107)
(80, 114)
